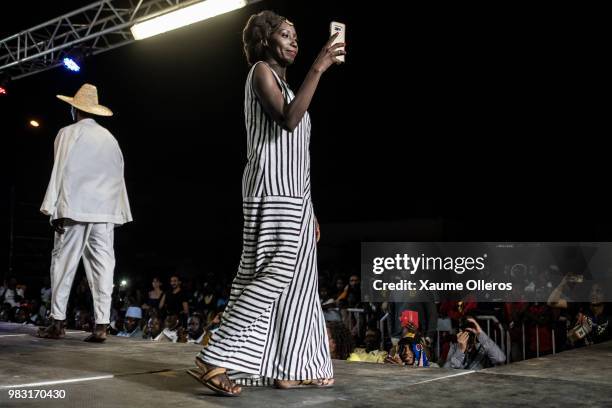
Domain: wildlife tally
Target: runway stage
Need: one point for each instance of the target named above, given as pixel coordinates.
(134, 373)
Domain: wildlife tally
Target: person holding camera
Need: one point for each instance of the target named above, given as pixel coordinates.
(473, 349)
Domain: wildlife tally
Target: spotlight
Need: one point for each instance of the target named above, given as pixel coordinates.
(184, 16)
(123, 283)
(4, 80)
(34, 123)
(71, 64)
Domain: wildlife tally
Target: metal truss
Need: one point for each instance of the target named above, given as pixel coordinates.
(93, 29)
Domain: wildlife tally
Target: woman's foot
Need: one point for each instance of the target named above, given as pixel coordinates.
(316, 383)
(215, 378)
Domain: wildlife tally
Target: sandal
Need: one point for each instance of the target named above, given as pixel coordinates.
(204, 375)
(317, 383)
(56, 330)
(94, 338)
(98, 335)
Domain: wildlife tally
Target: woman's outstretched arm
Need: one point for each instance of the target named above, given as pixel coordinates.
(289, 115)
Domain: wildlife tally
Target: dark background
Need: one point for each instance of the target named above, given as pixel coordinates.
(459, 124)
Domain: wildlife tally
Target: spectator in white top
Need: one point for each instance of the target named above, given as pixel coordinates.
(12, 295)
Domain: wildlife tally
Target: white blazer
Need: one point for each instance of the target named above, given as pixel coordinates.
(87, 183)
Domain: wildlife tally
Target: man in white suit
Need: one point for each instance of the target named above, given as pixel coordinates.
(86, 199)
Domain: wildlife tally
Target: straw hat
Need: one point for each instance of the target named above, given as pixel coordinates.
(86, 99)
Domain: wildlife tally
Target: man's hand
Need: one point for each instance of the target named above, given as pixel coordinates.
(317, 229)
(476, 331)
(216, 319)
(58, 225)
(393, 360)
(462, 340)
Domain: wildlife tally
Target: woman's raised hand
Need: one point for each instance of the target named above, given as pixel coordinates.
(328, 55)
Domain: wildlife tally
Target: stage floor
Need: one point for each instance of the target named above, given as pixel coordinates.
(127, 372)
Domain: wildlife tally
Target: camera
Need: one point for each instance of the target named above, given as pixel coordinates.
(465, 324)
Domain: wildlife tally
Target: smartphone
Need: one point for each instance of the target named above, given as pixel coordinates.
(336, 27)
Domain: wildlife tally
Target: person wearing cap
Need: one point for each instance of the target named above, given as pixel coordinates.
(86, 199)
(131, 326)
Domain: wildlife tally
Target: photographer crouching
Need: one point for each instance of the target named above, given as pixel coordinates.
(473, 349)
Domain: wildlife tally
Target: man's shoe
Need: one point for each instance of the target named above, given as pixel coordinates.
(56, 330)
(98, 335)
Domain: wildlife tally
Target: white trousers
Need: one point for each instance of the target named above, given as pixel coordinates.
(94, 243)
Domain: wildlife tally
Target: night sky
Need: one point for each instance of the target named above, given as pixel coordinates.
(444, 124)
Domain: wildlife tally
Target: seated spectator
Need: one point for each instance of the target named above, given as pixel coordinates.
(12, 294)
(402, 354)
(212, 326)
(208, 304)
(116, 326)
(83, 320)
(340, 340)
(20, 315)
(82, 299)
(328, 304)
(149, 314)
(195, 332)
(412, 353)
(5, 312)
(131, 325)
(412, 349)
(473, 349)
(170, 333)
(36, 317)
(599, 314)
(45, 297)
(455, 311)
(223, 296)
(197, 296)
(373, 337)
(153, 328)
(591, 324)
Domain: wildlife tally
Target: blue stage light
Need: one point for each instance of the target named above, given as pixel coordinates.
(71, 64)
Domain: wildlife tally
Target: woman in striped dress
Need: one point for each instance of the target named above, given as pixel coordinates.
(273, 325)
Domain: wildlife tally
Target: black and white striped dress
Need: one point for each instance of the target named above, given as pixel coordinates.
(273, 326)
